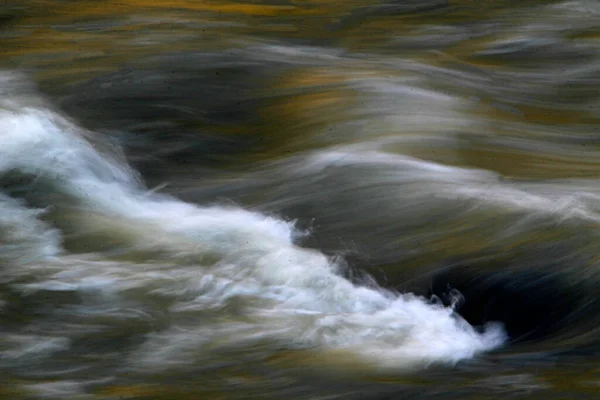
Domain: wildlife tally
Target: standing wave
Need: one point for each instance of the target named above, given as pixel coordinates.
(202, 278)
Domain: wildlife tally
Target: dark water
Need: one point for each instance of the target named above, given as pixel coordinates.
(299, 199)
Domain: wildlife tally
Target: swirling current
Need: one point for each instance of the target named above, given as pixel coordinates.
(307, 199)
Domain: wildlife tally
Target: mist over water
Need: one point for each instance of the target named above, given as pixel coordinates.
(302, 200)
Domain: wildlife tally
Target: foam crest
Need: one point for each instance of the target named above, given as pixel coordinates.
(288, 294)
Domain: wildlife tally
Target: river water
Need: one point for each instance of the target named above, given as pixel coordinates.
(299, 199)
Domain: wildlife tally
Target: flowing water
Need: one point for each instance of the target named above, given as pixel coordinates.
(299, 199)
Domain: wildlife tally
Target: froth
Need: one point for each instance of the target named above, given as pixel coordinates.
(284, 293)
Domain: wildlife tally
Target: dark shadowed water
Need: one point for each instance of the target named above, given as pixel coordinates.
(309, 199)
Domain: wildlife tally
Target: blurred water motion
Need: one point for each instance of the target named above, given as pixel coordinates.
(302, 199)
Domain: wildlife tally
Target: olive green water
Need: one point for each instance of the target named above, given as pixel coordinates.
(408, 137)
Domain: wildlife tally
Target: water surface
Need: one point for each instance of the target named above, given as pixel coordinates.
(299, 199)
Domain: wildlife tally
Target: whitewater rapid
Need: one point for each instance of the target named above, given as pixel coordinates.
(209, 278)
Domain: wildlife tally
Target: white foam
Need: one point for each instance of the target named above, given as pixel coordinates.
(23, 237)
(289, 294)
